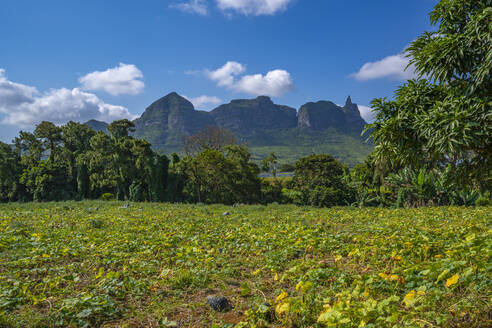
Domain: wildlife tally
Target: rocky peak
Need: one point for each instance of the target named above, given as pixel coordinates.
(348, 102)
(170, 113)
(247, 115)
(352, 116)
(320, 115)
(350, 107)
(264, 100)
(171, 102)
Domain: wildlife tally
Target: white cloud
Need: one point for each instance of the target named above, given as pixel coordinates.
(391, 67)
(224, 76)
(253, 7)
(14, 93)
(367, 114)
(274, 83)
(204, 101)
(193, 6)
(124, 79)
(25, 106)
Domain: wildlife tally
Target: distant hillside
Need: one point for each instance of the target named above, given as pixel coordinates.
(98, 125)
(320, 127)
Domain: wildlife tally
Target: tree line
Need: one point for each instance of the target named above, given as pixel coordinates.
(73, 161)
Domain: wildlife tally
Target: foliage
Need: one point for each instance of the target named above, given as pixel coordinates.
(221, 177)
(447, 119)
(75, 162)
(9, 172)
(320, 180)
(107, 196)
(271, 191)
(483, 201)
(94, 263)
(286, 167)
(269, 163)
(48, 181)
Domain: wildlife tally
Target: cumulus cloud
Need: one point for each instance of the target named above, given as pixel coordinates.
(193, 6)
(367, 114)
(225, 76)
(124, 79)
(203, 102)
(274, 83)
(14, 93)
(253, 7)
(25, 106)
(393, 67)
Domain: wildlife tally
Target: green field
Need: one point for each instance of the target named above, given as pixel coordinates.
(153, 265)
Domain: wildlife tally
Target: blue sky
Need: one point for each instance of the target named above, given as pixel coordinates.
(62, 60)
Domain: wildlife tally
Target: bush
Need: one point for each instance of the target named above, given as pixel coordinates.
(482, 201)
(319, 179)
(271, 191)
(287, 168)
(292, 196)
(107, 196)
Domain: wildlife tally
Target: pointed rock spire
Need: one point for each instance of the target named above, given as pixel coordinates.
(348, 102)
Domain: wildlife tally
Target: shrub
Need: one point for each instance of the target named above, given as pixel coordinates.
(482, 201)
(271, 192)
(320, 180)
(107, 196)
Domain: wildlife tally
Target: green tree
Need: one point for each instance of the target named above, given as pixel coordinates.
(48, 181)
(29, 148)
(269, 163)
(76, 141)
(221, 177)
(175, 180)
(444, 118)
(50, 136)
(101, 164)
(121, 128)
(10, 169)
(320, 180)
(159, 178)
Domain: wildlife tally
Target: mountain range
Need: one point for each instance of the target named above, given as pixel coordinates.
(317, 127)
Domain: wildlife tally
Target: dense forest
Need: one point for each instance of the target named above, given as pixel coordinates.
(433, 144)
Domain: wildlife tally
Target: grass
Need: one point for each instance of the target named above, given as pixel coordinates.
(91, 264)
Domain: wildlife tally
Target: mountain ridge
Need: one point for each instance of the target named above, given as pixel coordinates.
(320, 126)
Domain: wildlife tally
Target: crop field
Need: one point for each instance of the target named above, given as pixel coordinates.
(103, 264)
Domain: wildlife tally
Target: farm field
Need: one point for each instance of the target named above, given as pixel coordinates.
(99, 264)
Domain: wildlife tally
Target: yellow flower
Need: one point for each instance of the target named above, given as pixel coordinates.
(394, 277)
(281, 297)
(282, 308)
(452, 281)
(383, 275)
(398, 258)
(409, 299)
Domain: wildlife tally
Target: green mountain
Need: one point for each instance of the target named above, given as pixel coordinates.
(168, 120)
(97, 125)
(321, 127)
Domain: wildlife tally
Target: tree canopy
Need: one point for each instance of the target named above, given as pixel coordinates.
(444, 117)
